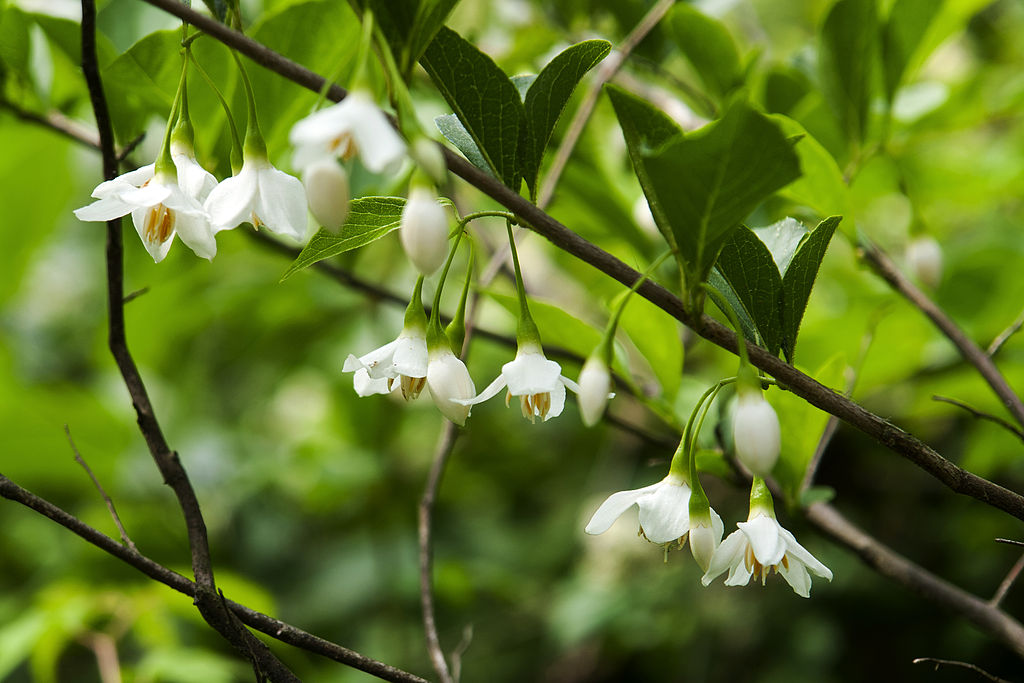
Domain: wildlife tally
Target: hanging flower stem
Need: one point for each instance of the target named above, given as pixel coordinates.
(734, 319)
(236, 140)
(527, 331)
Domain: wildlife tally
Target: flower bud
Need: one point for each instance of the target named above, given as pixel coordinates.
(924, 259)
(595, 381)
(430, 158)
(705, 537)
(424, 230)
(448, 381)
(755, 433)
(327, 193)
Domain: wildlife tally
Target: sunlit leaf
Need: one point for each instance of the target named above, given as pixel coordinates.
(706, 43)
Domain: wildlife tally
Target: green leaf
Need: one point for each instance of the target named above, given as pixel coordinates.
(799, 280)
(645, 127)
(429, 19)
(707, 182)
(782, 239)
(14, 41)
(369, 219)
(546, 99)
(748, 266)
(453, 130)
(903, 31)
(821, 187)
(409, 25)
(848, 55)
(707, 45)
(482, 96)
(656, 336)
(718, 281)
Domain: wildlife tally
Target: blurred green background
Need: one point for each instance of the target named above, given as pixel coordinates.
(310, 493)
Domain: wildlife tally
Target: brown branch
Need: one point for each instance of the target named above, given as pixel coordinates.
(96, 482)
(1007, 582)
(263, 660)
(284, 632)
(981, 415)
(449, 434)
(962, 665)
(891, 564)
(906, 445)
(971, 352)
(607, 71)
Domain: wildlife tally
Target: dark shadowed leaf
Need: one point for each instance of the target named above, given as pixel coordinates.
(799, 280)
(748, 266)
(849, 50)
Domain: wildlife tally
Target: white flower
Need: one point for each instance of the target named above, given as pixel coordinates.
(353, 126)
(261, 195)
(161, 206)
(595, 381)
(924, 258)
(449, 383)
(537, 382)
(664, 510)
(759, 546)
(327, 192)
(755, 433)
(404, 359)
(705, 535)
(424, 231)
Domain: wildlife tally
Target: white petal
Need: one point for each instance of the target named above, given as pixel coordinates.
(665, 513)
(158, 250)
(492, 390)
(320, 127)
(197, 234)
(798, 552)
(613, 507)
(367, 386)
(424, 231)
(450, 385)
(704, 540)
(193, 179)
(756, 434)
(379, 362)
(281, 203)
(105, 209)
(135, 178)
(595, 380)
(763, 534)
(326, 185)
(797, 577)
(531, 373)
(231, 203)
(378, 143)
(726, 557)
(410, 357)
(557, 397)
(150, 195)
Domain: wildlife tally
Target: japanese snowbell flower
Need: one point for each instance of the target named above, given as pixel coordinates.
(759, 546)
(535, 380)
(755, 430)
(262, 195)
(664, 510)
(326, 185)
(353, 126)
(594, 384)
(424, 231)
(162, 203)
(404, 359)
(706, 529)
(449, 382)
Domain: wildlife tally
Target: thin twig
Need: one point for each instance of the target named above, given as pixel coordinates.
(818, 395)
(981, 415)
(962, 665)
(1007, 582)
(96, 482)
(167, 461)
(1010, 541)
(971, 352)
(606, 72)
(460, 649)
(449, 434)
(275, 628)
(1003, 336)
(57, 121)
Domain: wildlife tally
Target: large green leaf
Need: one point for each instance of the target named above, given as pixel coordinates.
(408, 25)
(903, 31)
(430, 17)
(482, 96)
(747, 264)
(799, 280)
(848, 55)
(707, 45)
(369, 219)
(645, 127)
(546, 98)
(453, 131)
(707, 182)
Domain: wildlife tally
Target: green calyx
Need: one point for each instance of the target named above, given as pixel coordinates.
(680, 466)
(761, 502)
(415, 316)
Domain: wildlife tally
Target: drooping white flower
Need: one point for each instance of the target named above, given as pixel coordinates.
(262, 195)
(594, 384)
(759, 546)
(424, 231)
(449, 383)
(664, 510)
(535, 380)
(924, 259)
(404, 359)
(327, 193)
(162, 205)
(353, 126)
(755, 431)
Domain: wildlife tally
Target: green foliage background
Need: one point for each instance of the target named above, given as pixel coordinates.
(310, 493)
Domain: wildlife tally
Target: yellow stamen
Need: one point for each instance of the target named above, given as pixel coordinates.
(412, 386)
(344, 146)
(159, 224)
(255, 220)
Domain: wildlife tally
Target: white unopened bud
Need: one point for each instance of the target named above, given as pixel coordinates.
(327, 192)
(755, 433)
(424, 231)
(448, 381)
(595, 380)
(924, 259)
(705, 537)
